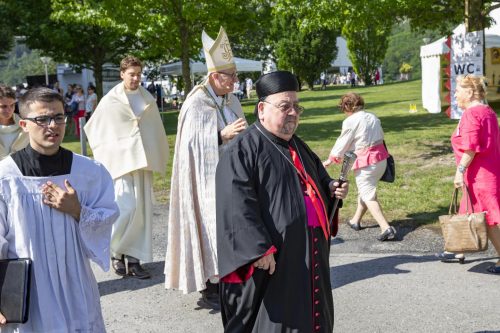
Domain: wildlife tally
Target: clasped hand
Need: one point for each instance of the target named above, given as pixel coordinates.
(64, 200)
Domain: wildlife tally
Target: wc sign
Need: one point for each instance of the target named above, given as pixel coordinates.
(466, 57)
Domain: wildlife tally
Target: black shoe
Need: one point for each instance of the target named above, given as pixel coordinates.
(135, 270)
(354, 226)
(211, 299)
(119, 266)
(388, 234)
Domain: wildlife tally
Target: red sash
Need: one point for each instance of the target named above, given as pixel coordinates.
(312, 192)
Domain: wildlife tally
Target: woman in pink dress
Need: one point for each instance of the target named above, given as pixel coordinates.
(476, 144)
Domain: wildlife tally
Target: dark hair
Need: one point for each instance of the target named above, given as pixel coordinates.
(42, 94)
(351, 102)
(129, 61)
(91, 87)
(7, 92)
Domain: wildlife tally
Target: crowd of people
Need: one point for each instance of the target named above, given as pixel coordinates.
(251, 211)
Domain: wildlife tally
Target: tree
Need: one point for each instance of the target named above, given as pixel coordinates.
(436, 15)
(306, 53)
(6, 35)
(366, 46)
(84, 45)
(20, 63)
(167, 29)
(366, 26)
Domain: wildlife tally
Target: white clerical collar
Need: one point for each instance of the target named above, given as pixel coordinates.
(217, 99)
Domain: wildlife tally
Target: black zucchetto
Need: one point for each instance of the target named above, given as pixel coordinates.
(276, 82)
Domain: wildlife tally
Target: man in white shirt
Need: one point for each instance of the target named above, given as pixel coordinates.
(126, 134)
(210, 117)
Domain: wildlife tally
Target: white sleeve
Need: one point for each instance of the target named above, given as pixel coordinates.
(343, 142)
(98, 214)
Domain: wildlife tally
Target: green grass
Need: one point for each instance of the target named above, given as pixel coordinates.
(419, 142)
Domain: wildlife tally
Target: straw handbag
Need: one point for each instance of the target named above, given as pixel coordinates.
(464, 232)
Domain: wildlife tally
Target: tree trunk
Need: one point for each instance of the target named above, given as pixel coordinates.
(98, 80)
(186, 70)
(474, 18)
(475, 21)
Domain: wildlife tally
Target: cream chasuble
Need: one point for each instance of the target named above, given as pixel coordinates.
(20, 141)
(191, 257)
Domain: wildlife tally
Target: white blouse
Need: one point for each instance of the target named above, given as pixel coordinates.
(359, 131)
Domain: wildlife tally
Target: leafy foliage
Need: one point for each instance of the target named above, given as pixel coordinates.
(6, 35)
(168, 29)
(20, 63)
(304, 52)
(85, 45)
(367, 47)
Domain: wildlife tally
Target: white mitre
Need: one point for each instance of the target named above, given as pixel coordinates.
(218, 54)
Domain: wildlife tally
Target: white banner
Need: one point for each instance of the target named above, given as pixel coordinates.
(466, 57)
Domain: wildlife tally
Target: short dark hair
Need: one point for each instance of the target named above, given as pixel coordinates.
(7, 92)
(129, 61)
(42, 94)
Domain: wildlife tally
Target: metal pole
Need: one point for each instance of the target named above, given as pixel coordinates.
(46, 75)
(83, 137)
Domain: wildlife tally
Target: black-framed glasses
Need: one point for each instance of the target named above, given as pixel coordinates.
(232, 76)
(59, 119)
(286, 107)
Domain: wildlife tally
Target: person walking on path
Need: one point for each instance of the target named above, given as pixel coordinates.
(91, 102)
(57, 208)
(363, 134)
(209, 119)
(476, 145)
(249, 87)
(126, 134)
(273, 233)
(12, 137)
(79, 99)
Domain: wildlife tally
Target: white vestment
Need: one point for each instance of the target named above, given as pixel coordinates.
(191, 257)
(64, 293)
(20, 141)
(131, 144)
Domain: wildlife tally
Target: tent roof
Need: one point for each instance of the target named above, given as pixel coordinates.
(197, 67)
(492, 38)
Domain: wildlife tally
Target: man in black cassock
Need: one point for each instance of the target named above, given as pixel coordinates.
(273, 200)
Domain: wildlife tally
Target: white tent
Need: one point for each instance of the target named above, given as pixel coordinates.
(198, 67)
(430, 56)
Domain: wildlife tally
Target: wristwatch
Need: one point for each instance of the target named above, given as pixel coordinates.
(461, 168)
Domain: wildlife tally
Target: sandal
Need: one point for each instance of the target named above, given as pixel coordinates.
(447, 256)
(494, 269)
